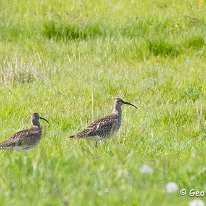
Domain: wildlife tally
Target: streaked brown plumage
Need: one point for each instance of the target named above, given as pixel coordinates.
(105, 127)
(25, 139)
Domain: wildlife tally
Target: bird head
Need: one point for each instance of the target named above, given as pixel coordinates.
(36, 118)
(120, 102)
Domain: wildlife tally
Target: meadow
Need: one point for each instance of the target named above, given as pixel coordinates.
(68, 61)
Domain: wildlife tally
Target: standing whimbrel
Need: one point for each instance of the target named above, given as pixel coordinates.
(25, 139)
(105, 127)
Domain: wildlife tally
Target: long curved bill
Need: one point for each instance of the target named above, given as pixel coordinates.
(44, 119)
(130, 104)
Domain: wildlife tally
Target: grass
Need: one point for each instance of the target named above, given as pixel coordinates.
(68, 60)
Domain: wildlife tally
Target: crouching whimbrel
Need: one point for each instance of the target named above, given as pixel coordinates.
(105, 127)
(25, 139)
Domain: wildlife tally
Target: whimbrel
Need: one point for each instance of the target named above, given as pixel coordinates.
(25, 139)
(105, 127)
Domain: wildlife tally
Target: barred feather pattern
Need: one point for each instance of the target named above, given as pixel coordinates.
(101, 129)
(23, 140)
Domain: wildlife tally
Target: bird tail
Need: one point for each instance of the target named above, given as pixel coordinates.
(3, 147)
(71, 137)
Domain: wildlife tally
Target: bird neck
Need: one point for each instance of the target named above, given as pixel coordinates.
(118, 110)
(35, 123)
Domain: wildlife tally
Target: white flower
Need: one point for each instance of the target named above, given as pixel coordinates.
(171, 187)
(146, 169)
(196, 203)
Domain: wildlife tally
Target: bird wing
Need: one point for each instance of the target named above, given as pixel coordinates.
(20, 138)
(101, 127)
